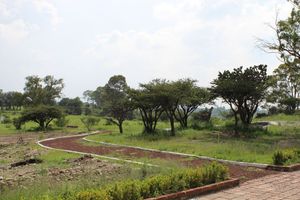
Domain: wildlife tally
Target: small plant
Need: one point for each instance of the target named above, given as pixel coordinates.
(283, 157)
(89, 122)
(61, 122)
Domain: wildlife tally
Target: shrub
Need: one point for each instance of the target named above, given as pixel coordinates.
(283, 157)
(61, 122)
(6, 119)
(89, 122)
(159, 185)
(17, 122)
(93, 195)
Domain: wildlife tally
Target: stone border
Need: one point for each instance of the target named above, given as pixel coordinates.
(245, 164)
(94, 155)
(290, 168)
(194, 192)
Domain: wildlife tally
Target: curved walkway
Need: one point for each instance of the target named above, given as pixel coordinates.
(75, 144)
(285, 186)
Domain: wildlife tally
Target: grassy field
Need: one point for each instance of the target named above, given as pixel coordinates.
(213, 142)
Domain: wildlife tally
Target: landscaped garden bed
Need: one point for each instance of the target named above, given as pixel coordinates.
(181, 184)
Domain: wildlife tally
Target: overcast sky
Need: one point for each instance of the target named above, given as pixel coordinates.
(87, 41)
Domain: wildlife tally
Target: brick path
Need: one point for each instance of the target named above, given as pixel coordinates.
(280, 186)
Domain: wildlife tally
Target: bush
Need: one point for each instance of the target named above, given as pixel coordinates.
(89, 122)
(61, 122)
(93, 195)
(17, 122)
(283, 157)
(6, 119)
(159, 185)
(261, 114)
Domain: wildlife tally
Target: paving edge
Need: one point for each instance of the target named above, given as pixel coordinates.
(290, 168)
(95, 155)
(194, 192)
(245, 164)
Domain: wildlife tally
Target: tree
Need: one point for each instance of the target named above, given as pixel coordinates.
(285, 89)
(146, 100)
(42, 115)
(287, 42)
(166, 96)
(242, 90)
(11, 100)
(72, 106)
(115, 101)
(42, 90)
(192, 97)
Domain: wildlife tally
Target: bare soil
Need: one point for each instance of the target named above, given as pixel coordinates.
(13, 151)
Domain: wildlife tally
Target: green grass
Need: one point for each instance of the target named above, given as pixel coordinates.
(210, 143)
(281, 117)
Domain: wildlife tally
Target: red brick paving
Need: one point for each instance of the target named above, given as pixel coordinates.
(285, 186)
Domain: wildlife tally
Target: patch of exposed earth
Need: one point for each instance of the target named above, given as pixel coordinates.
(13, 151)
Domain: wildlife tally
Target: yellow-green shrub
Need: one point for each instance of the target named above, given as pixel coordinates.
(159, 185)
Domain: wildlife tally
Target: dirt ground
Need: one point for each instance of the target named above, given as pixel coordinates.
(13, 149)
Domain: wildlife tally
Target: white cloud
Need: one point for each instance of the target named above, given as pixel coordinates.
(191, 41)
(4, 11)
(44, 6)
(15, 31)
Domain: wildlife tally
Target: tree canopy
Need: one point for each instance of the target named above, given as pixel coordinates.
(44, 91)
(115, 101)
(243, 90)
(42, 115)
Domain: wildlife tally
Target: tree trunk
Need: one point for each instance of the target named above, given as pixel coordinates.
(236, 133)
(42, 125)
(172, 125)
(120, 125)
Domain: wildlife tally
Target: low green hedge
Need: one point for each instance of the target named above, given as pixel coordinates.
(285, 157)
(158, 185)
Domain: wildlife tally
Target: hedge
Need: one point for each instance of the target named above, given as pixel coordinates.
(158, 185)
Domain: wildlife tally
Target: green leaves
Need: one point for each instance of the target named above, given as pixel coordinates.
(242, 90)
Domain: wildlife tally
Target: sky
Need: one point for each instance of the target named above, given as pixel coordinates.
(85, 42)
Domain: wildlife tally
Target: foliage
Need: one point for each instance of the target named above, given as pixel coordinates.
(146, 99)
(11, 100)
(115, 101)
(61, 122)
(242, 90)
(191, 98)
(17, 122)
(71, 106)
(161, 184)
(286, 86)
(203, 115)
(93, 195)
(42, 90)
(42, 115)
(90, 121)
(283, 157)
